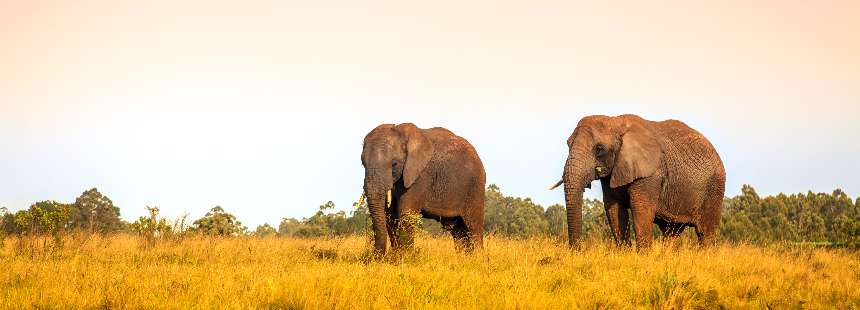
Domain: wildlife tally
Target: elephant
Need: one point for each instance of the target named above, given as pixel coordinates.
(431, 173)
(662, 172)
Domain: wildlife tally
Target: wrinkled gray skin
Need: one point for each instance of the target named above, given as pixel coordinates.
(663, 172)
(430, 172)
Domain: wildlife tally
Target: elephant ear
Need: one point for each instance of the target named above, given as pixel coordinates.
(639, 157)
(419, 150)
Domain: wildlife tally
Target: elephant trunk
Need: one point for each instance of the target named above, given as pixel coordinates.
(376, 190)
(376, 205)
(576, 177)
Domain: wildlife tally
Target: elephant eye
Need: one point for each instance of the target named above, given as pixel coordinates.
(599, 150)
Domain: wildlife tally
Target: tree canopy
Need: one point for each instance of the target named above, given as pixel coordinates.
(95, 212)
(327, 223)
(265, 230)
(91, 212)
(810, 217)
(218, 222)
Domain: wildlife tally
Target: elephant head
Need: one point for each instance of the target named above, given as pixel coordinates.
(622, 149)
(391, 154)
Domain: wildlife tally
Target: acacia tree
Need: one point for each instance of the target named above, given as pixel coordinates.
(217, 222)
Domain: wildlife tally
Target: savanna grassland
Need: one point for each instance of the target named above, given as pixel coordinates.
(125, 271)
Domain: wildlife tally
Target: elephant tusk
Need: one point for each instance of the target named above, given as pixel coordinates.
(560, 182)
(388, 202)
(360, 200)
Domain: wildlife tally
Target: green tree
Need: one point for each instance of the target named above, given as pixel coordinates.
(811, 217)
(321, 223)
(289, 226)
(96, 213)
(265, 230)
(556, 218)
(359, 220)
(7, 223)
(594, 223)
(521, 218)
(151, 227)
(44, 218)
(217, 222)
(327, 223)
(513, 216)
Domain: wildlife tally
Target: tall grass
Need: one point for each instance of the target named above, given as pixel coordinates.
(208, 272)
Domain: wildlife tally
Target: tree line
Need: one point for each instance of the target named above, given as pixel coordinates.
(832, 218)
(93, 212)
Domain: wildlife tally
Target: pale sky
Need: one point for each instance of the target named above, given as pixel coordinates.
(260, 106)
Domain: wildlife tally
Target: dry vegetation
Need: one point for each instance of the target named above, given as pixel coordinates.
(127, 272)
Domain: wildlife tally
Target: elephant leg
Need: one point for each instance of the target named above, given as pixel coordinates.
(613, 220)
(475, 233)
(616, 213)
(671, 231)
(712, 211)
(643, 204)
(706, 229)
(676, 230)
(624, 225)
(707, 233)
(392, 221)
(619, 223)
(407, 222)
(460, 233)
(448, 223)
(642, 221)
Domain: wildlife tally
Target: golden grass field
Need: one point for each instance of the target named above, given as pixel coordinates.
(123, 272)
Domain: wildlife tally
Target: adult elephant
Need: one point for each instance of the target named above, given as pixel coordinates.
(428, 172)
(664, 172)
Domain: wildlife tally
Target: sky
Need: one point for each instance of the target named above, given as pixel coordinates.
(261, 106)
